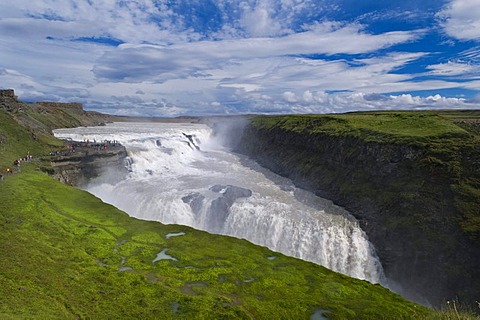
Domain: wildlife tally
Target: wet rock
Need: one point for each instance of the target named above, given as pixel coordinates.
(191, 141)
(217, 188)
(195, 201)
(217, 214)
(232, 193)
(83, 166)
(220, 207)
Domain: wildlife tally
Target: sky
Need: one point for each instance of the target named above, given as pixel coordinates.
(166, 58)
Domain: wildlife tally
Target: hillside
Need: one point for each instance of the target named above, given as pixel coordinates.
(67, 255)
(411, 178)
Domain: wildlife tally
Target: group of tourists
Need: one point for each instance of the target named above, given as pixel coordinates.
(85, 146)
(16, 165)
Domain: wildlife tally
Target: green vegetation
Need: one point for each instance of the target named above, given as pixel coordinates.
(415, 127)
(16, 141)
(65, 254)
(68, 255)
(412, 177)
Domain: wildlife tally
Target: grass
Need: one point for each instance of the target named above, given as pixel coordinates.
(454, 310)
(18, 140)
(392, 127)
(63, 252)
(419, 170)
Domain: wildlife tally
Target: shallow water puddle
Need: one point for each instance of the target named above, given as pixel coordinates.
(163, 256)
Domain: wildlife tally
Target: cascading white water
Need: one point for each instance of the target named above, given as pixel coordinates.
(180, 174)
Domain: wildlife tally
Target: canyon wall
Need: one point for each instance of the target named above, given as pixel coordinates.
(411, 200)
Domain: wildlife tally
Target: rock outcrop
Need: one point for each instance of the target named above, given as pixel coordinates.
(87, 163)
(42, 117)
(407, 198)
(8, 100)
(220, 207)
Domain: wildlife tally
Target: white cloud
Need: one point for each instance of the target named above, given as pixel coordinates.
(257, 59)
(308, 96)
(452, 68)
(289, 96)
(461, 19)
(258, 20)
(131, 62)
(341, 102)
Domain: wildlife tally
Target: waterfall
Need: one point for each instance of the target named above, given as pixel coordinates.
(180, 173)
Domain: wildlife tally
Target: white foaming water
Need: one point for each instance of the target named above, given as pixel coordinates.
(178, 174)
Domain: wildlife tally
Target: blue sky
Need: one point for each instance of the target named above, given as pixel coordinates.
(199, 57)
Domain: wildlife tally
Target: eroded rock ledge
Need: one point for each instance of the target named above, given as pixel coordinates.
(82, 163)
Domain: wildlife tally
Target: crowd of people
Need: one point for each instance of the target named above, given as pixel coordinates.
(86, 145)
(16, 165)
(72, 147)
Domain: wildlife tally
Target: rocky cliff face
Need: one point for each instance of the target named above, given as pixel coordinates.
(8, 100)
(404, 197)
(86, 164)
(42, 117)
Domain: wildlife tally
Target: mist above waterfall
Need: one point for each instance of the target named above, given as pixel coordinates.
(183, 173)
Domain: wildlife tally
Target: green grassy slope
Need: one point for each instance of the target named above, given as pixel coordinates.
(67, 255)
(16, 141)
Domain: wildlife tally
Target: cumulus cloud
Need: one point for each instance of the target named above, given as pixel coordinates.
(289, 96)
(461, 19)
(341, 102)
(258, 20)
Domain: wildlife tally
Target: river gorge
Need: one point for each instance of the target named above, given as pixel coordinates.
(183, 174)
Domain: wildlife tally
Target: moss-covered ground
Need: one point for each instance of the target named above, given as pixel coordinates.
(414, 127)
(65, 254)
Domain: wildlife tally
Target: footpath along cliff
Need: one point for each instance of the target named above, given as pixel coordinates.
(74, 163)
(412, 179)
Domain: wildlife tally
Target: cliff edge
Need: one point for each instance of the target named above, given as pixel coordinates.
(411, 178)
(41, 118)
(68, 161)
(83, 162)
